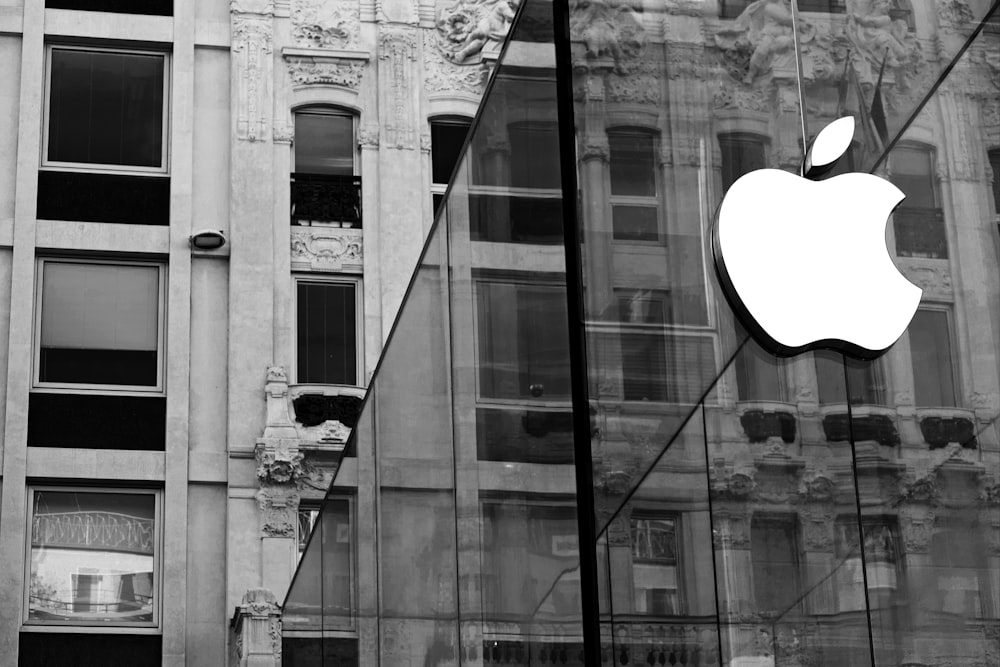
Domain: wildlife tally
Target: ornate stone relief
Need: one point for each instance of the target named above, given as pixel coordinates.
(283, 134)
(278, 511)
(329, 24)
(642, 86)
(252, 48)
(330, 71)
(280, 465)
(257, 626)
(917, 529)
(397, 51)
(760, 40)
(327, 248)
(466, 27)
(877, 34)
(934, 280)
(817, 528)
(368, 135)
(607, 31)
(954, 14)
(744, 99)
(443, 76)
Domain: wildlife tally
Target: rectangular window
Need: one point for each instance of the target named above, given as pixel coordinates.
(864, 380)
(327, 338)
(774, 552)
(632, 169)
(93, 558)
(523, 341)
(99, 325)
(106, 110)
(654, 565)
(447, 139)
(741, 154)
(919, 221)
(931, 353)
(148, 7)
(324, 143)
(760, 376)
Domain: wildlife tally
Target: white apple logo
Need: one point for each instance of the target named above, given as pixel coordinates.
(803, 261)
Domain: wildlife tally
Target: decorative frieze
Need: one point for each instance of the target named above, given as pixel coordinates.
(327, 249)
(325, 23)
(640, 86)
(608, 31)
(278, 511)
(329, 71)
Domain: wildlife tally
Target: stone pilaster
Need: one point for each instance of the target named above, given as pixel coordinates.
(256, 628)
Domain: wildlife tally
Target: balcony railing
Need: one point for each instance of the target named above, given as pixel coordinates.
(321, 199)
(920, 232)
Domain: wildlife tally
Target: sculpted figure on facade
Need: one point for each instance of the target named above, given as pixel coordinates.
(878, 34)
(758, 37)
(465, 27)
(607, 30)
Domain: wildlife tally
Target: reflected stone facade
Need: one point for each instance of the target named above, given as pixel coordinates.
(750, 510)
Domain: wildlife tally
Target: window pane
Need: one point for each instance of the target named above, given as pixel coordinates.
(741, 153)
(534, 156)
(447, 138)
(774, 552)
(324, 144)
(862, 377)
(930, 348)
(635, 223)
(633, 164)
(523, 341)
(912, 172)
(106, 108)
(99, 324)
(327, 330)
(92, 557)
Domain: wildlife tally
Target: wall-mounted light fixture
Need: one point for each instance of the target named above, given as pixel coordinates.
(207, 239)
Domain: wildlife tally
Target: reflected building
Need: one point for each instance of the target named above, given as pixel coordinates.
(572, 452)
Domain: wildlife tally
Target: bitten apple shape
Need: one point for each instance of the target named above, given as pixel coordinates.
(804, 262)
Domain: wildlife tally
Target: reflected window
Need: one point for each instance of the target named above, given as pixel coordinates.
(327, 331)
(824, 6)
(654, 564)
(775, 553)
(643, 314)
(305, 522)
(931, 353)
(760, 376)
(93, 557)
(635, 209)
(742, 153)
(447, 139)
(961, 569)
(106, 109)
(534, 155)
(864, 384)
(530, 560)
(100, 326)
(919, 220)
(523, 337)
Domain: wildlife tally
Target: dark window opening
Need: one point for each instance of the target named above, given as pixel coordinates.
(327, 333)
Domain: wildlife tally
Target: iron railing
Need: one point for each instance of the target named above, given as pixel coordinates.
(326, 200)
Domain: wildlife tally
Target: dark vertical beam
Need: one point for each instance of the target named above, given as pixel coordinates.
(583, 462)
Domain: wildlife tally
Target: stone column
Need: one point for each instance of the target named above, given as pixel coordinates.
(256, 628)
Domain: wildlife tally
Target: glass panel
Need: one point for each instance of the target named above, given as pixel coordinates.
(92, 558)
(930, 346)
(99, 324)
(324, 143)
(106, 108)
(327, 332)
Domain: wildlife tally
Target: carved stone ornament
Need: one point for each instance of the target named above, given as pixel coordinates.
(279, 423)
(332, 71)
(283, 134)
(731, 530)
(279, 465)
(878, 35)
(466, 27)
(442, 76)
(257, 626)
(685, 7)
(920, 488)
(330, 24)
(916, 533)
(741, 99)
(327, 248)
(368, 135)
(640, 86)
(252, 48)
(933, 280)
(817, 529)
(955, 14)
(594, 149)
(607, 30)
(278, 511)
(397, 51)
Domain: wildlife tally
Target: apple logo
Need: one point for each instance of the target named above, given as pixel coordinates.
(803, 261)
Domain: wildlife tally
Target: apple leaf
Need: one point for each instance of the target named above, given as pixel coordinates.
(829, 145)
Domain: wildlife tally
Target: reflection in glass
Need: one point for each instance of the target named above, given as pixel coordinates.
(92, 558)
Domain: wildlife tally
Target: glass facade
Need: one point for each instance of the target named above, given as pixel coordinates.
(572, 453)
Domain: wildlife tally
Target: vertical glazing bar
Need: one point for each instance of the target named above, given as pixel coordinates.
(583, 462)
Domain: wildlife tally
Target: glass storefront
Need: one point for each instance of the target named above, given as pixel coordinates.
(572, 452)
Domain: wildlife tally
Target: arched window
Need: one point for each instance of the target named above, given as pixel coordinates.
(326, 188)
